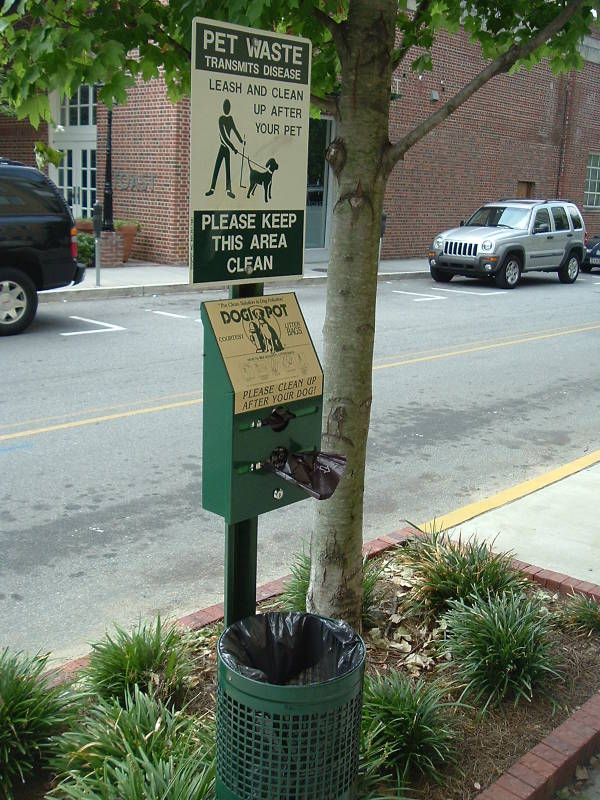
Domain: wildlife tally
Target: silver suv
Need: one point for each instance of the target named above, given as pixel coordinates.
(506, 238)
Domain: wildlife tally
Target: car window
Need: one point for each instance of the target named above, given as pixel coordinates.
(561, 221)
(501, 216)
(542, 217)
(576, 220)
(27, 198)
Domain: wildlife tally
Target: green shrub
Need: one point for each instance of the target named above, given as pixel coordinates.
(445, 569)
(142, 779)
(86, 249)
(406, 729)
(116, 749)
(581, 614)
(293, 597)
(501, 647)
(156, 658)
(119, 223)
(30, 712)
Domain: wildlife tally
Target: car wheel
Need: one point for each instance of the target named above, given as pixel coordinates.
(18, 301)
(509, 274)
(570, 271)
(439, 276)
(586, 268)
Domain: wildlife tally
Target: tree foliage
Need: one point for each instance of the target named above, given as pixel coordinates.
(60, 44)
(50, 45)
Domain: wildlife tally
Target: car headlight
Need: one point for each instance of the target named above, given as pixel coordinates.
(487, 245)
(437, 242)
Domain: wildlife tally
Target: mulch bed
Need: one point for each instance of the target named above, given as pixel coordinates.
(489, 745)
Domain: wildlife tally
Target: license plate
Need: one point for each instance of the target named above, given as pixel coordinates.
(594, 260)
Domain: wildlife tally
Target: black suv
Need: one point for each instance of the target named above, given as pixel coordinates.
(38, 243)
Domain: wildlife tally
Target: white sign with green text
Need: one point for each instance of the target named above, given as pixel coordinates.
(248, 153)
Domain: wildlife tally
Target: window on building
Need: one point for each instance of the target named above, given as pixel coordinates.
(79, 110)
(591, 195)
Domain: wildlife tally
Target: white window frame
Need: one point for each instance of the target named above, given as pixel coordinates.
(591, 194)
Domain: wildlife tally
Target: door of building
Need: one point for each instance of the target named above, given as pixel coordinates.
(75, 136)
(318, 191)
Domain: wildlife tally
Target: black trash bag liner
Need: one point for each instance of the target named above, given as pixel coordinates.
(291, 648)
(316, 472)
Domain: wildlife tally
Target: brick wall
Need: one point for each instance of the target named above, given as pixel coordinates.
(582, 137)
(17, 139)
(150, 157)
(509, 131)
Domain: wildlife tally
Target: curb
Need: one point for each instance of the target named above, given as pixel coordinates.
(538, 774)
(101, 293)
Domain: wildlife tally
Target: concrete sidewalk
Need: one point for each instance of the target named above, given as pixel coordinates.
(137, 278)
(552, 521)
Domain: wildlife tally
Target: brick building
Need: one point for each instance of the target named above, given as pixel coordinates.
(529, 134)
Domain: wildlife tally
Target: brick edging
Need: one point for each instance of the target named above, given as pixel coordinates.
(549, 766)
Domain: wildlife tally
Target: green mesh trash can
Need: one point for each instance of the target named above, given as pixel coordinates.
(289, 702)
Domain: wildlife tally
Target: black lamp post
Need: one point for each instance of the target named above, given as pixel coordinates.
(107, 219)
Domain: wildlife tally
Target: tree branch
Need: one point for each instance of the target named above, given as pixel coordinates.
(325, 104)
(417, 19)
(175, 44)
(336, 29)
(501, 64)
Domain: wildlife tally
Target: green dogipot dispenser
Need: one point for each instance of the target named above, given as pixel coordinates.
(263, 388)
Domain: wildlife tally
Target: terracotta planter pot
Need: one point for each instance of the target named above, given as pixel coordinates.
(84, 226)
(128, 232)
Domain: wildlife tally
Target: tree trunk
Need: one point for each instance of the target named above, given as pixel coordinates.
(357, 159)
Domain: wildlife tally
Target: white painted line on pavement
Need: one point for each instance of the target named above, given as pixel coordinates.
(167, 314)
(416, 294)
(106, 327)
(499, 293)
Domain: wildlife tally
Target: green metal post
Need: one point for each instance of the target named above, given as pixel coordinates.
(240, 570)
(241, 539)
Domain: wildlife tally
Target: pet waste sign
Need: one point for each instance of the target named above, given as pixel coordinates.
(248, 153)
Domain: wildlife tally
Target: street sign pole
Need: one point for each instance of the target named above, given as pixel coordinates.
(241, 538)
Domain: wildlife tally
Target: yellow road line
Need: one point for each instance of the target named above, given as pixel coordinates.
(496, 340)
(38, 420)
(483, 347)
(93, 420)
(404, 362)
(454, 518)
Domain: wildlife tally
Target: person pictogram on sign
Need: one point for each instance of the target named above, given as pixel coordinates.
(226, 128)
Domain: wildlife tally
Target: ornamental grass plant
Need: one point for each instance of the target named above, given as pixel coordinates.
(501, 648)
(407, 730)
(135, 750)
(445, 569)
(156, 658)
(294, 593)
(581, 614)
(31, 710)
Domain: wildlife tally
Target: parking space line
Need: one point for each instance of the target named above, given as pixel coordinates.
(106, 327)
(499, 293)
(167, 314)
(422, 296)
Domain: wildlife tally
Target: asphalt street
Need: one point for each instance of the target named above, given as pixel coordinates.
(475, 389)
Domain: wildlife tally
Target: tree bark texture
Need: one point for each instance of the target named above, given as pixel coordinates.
(357, 157)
